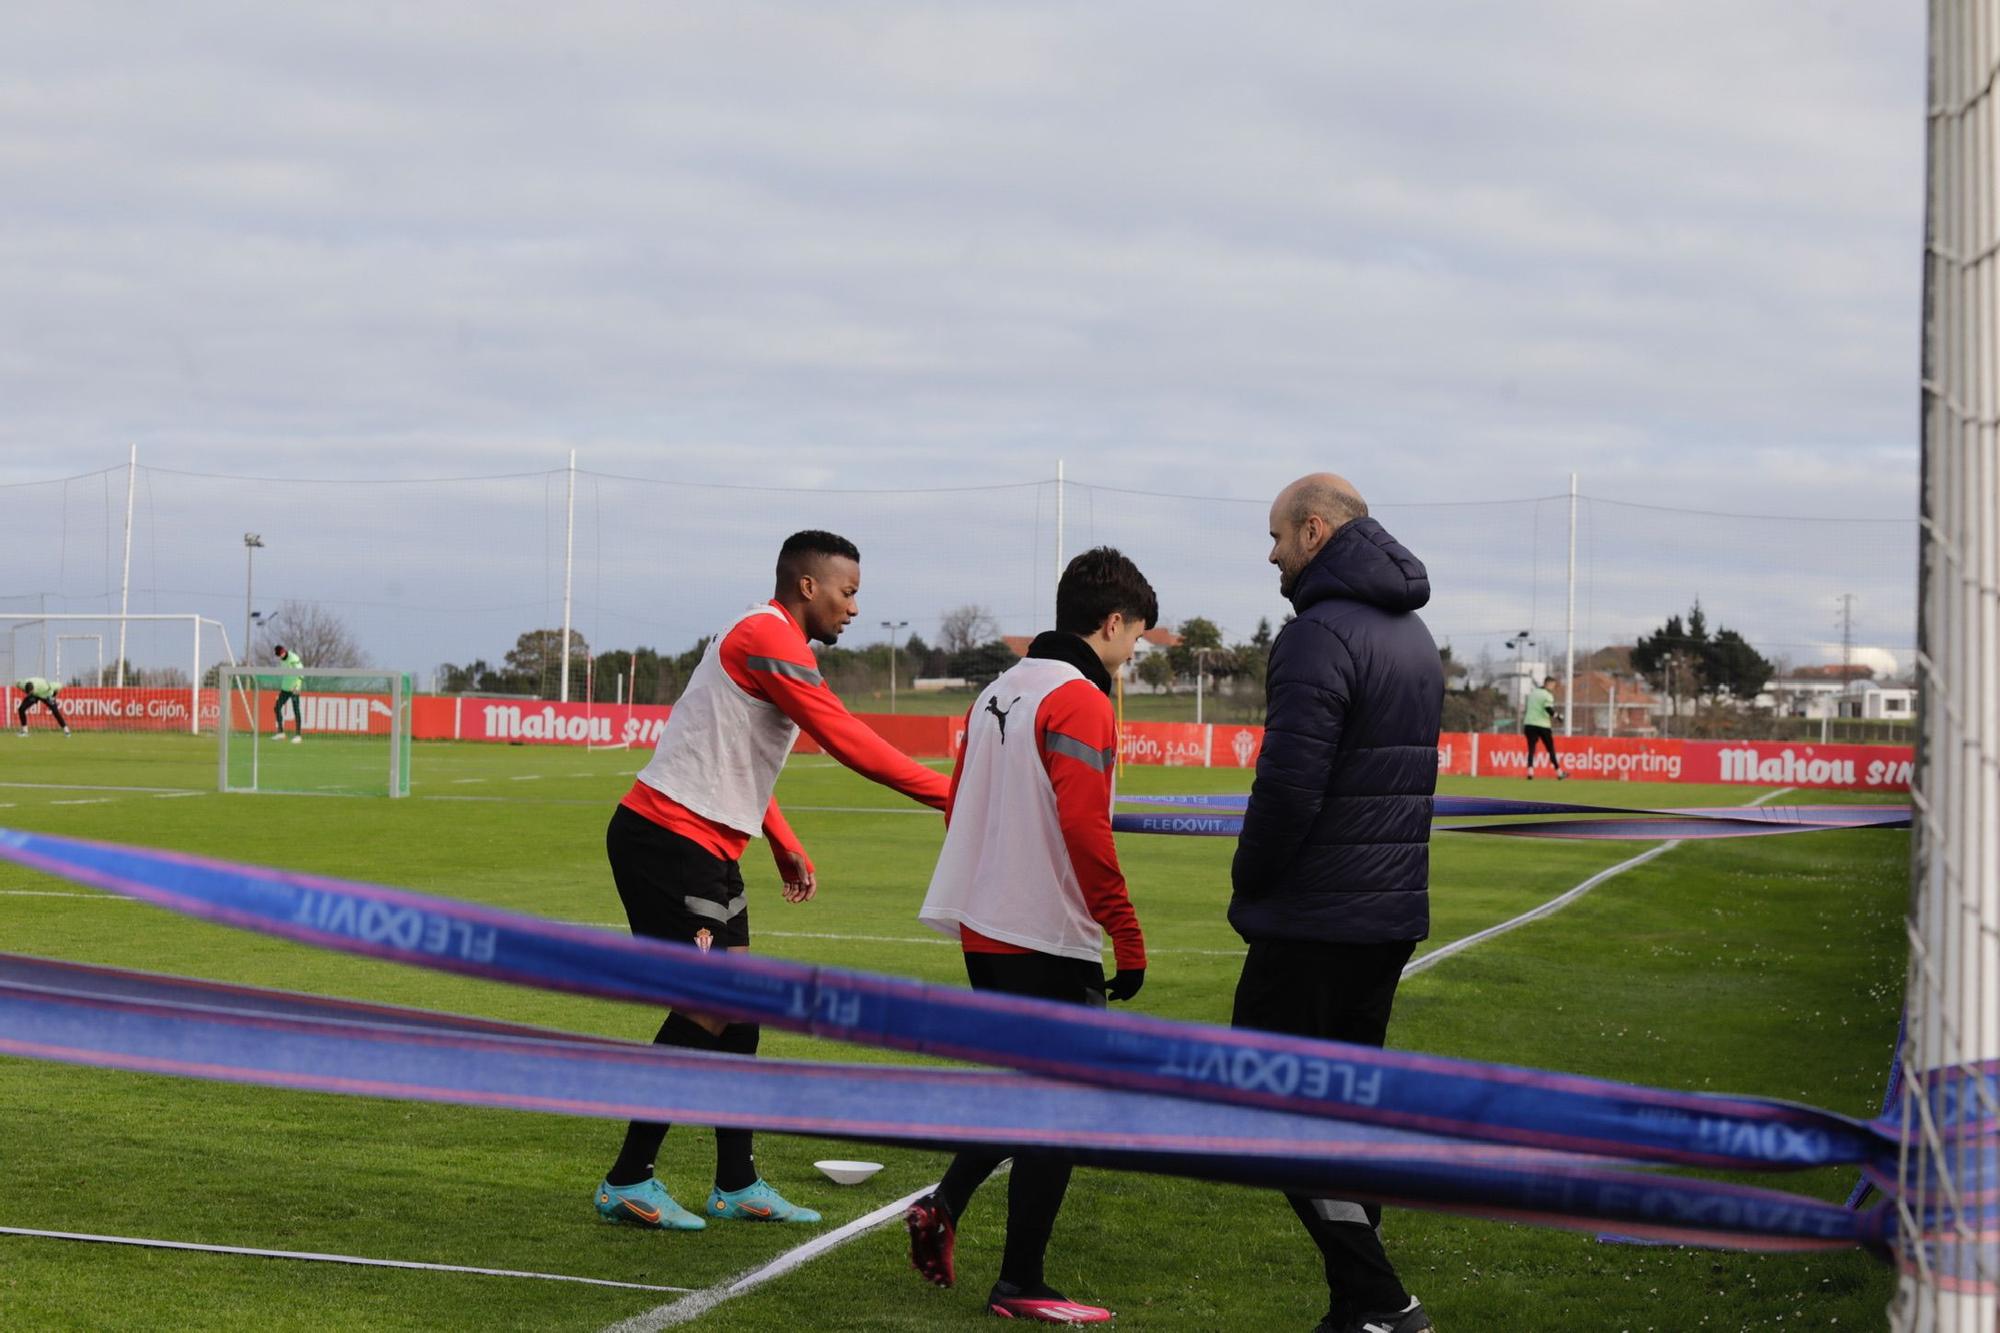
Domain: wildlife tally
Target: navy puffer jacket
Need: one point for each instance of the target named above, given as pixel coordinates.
(1336, 842)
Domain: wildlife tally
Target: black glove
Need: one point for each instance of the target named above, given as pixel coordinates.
(1126, 984)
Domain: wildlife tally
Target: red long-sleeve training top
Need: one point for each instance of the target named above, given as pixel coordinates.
(751, 654)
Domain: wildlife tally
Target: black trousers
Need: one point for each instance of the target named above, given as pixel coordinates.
(1342, 992)
(1037, 1184)
(278, 710)
(48, 701)
(1546, 738)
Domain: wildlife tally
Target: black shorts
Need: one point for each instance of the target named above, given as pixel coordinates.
(1042, 975)
(674, 889)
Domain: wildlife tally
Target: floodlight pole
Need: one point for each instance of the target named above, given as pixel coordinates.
(569, 561)
(1059, 528)
(252, 542)
(1569, 657)
(893, 626)
(125, 579)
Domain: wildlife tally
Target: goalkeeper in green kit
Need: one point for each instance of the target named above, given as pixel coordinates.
(288, 689)
(35, 690)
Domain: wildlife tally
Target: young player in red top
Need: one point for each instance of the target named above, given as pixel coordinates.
(676, 839)
(1028, 880)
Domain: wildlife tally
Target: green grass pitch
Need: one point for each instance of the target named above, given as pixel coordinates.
(1769, 966)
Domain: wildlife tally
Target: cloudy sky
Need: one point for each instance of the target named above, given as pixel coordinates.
(1455, 250)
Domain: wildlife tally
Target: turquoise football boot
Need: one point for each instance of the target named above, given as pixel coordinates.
(755, 1202)
(646, 1204)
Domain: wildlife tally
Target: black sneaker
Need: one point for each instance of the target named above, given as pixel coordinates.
(1410, 1319)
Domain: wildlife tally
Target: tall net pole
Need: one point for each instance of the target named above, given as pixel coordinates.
(1948, 1250)
(569, 567)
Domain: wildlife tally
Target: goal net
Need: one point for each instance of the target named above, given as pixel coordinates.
(133, 674)
(334, 731)
(1947, 1239)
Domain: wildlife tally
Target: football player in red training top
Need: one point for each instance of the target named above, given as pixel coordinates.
(676, 839)
(1028, 880)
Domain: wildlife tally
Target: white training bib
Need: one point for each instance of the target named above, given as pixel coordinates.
(1005, 870)
(721, 750)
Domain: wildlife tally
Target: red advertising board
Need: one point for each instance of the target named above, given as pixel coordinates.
(1172, 744)
(89, 708)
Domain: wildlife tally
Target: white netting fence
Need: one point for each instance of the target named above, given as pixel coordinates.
(1947, 1205)
(428, 572)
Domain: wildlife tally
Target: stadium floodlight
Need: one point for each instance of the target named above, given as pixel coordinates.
(251, 542)
(354, 728)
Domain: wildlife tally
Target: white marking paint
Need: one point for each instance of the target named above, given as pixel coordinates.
(87, 800)
(328, 1258)
(465, 780)
(525, 777)
(175, 795)
(53, 893)
(690, 1308)
(1560, 901)
(85, 786)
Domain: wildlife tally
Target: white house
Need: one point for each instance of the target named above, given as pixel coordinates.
(1879, 703)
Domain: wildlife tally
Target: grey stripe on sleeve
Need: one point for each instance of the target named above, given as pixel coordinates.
(715, 911)
(780, 667)
(1076, 749)
(1340, 1210)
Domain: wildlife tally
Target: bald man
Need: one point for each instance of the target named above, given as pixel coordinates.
(1331, 881)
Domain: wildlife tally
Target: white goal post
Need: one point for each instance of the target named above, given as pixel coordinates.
(34, 648)
(1948, 1246)
(352, 725)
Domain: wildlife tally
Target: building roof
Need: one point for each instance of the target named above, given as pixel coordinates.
(1594, 689)
(1832, 671)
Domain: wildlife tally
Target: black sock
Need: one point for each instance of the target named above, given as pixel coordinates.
(1034, 1197)
(735, 1164)
(644, 1137)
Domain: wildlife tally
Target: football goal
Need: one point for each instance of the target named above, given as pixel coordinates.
(133, 673)
(315, 731)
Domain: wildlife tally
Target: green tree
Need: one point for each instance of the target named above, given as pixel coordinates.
(1732, 666)
(980, 665)
(1157, 671)
(536, 658)
(1201, 643)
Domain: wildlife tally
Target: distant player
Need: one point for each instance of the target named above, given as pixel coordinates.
(1029, 882)
(35, 690)
(288, 689)
(1537, 717)
(676, 839)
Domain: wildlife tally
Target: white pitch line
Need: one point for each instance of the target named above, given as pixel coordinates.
(86, 786)
(525, 777)
(694, 1306)
(1560, 901)
(701, 1302)
(87, 800)
(55, 893)
(175, 795)
(465, 780)
(329, 1258)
